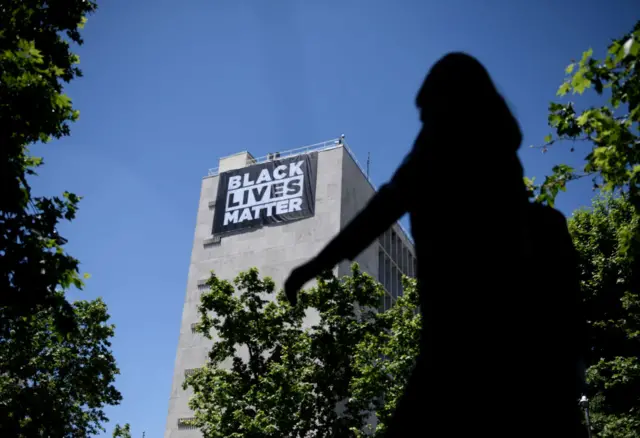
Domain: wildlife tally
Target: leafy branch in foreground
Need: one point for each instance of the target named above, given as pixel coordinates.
(35, 60)
(610, 132)
(56, 366)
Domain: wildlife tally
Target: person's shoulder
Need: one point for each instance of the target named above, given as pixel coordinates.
(543, 214)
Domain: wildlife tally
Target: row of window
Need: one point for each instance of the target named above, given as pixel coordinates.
(400, 253)
(395, 259)
(389, 275)
(185, 423)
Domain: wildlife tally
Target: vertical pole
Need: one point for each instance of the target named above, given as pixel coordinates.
(368, 162)
(586, 414)
(584, 404)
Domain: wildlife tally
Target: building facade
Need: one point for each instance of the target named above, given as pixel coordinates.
(275, 213)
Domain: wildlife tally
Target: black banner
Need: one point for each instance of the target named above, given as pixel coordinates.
(266, 193)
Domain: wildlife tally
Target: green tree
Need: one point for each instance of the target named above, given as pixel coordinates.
(270, 375)
(56, 367)
(55, 385)
(609, 285)
(384, 359)
(122, 431)
(607, 237)
(35, 59)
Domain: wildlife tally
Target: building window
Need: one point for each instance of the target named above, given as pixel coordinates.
(394, 282)
(387, 274)
(415, 267)
(381, 266)
(185, 423)
(193, 328)
(410, 265)
(398, 251)
(394, 245)
(399, 287)
(387, 241)
(387, 302)
(394, 242)
(189, 372)
(407, 265)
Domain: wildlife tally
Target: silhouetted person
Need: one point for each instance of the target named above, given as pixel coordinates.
(501, 335)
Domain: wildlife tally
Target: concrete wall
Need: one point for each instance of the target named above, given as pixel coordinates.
(235, 161)
(356, 192)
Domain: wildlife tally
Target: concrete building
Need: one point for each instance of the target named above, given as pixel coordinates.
(341, 190)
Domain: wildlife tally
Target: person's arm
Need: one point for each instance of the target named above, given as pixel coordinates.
(386, 206)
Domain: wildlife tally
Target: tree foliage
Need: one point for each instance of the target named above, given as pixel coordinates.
(35, 59)
(610, 132)
(56, 367)
(55, 385)
(270, 375)
(607, 237)
(122, 431)
(611, 294)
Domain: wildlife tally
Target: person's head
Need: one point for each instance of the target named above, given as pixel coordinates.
(458, 94)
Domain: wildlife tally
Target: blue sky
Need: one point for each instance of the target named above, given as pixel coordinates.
(171, 86)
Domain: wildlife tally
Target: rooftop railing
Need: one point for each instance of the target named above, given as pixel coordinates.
(317, 147)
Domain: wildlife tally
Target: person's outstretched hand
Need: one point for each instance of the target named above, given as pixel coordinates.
(299, 276)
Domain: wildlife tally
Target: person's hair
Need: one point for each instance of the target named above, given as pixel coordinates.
(458, 91)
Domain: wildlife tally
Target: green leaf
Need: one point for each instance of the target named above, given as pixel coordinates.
(620, 54)
(598, 85)
(32, 161)
(564, 89)
(86, 276)
(585, 56)
(634, 47)
(57, 71)
(580, 83)
(554, 120)
(569, 68)
(548, 138)
(610, 62)
(614, 48)
(63, 101)
(583, 118)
